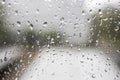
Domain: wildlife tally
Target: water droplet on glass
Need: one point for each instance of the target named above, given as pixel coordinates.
(83, 55)
(4, 43)
(71, 45)
(3, 1)
(118, 51)
(58, 36)
(37, 11)
(16, 12)
(76, 24)
(117, 28)
(5, 58)
(90, 10)
(100, 11)
(18, 23)
(88, 20)
(52, 41)
(83, 12)
(61, 19)
(93, 76)
(30, 55)
(45, 24)
(105, 70)
(9, 4)
(38, 42)
(55, 16)
(108, 58)
(66, 41)
(31, 26)
(81, 61)
(79, 49)
(16, 78)
(48, 46)
(18, 32)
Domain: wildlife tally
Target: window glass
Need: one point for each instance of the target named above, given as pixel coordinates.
(59, 40)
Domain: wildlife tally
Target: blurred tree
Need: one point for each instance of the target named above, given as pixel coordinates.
(35, 39)
(6, 36)
(106, 27)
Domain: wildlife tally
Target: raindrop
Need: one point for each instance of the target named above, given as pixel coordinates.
(93, 76)
(100, 11)
(40, 31)
(58, 36)
(52, 41)
(79, 49)
(116, 28)
(53, 61)
(90, 10)
(31, 26)
(66, 41)
(83, 12)
(38, 42)
(36, 21)
(37, 11)
(16, 12)
(76, 24)
(71, 45)
(48, 46)
(117, 76)
(53, 50)
(47, 50)
(9, 4)
(61, 25)
(105, 70)
(5, 58)
(64, 34)
(81, 61)
(18, 23)
(30, 55)
(45, 24)
(62, 19)
(55, 16)
(16, 78)
(40, 50)
(118, 51)
(3, 78)
(108, 58)
(88, 20)
(4, 43)
(83, 55)
(3, 1)
(18, 32)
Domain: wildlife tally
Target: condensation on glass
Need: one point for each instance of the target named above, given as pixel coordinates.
(59, 40)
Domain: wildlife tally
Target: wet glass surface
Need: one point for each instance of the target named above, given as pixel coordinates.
(59, 40)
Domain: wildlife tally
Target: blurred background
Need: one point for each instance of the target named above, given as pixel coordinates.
(59, 39)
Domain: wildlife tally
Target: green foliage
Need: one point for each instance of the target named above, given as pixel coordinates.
(5, 35)
(107, 26)
(33, 38)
